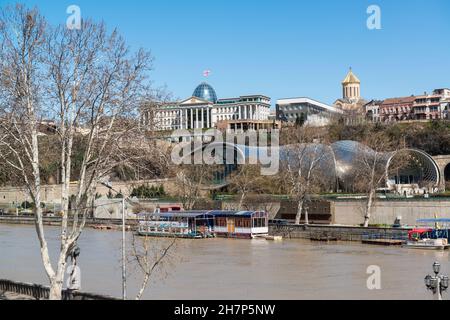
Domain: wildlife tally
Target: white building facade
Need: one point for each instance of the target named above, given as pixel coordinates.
(313, 112)
(203, 111)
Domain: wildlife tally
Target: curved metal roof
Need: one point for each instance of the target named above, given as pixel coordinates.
(340, 161)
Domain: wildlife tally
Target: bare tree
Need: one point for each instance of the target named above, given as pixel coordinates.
(304, 168)
(371, 171)
(263, 202)
(153, 256)
(245, 181)
(192, 182)
(95, 83)
(22, 38)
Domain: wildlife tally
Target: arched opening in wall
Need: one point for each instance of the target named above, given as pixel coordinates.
(447, 177)
(412, 171)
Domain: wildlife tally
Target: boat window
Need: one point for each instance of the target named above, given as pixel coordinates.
(221, 222)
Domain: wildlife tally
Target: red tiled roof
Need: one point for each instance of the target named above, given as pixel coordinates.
(402, 100)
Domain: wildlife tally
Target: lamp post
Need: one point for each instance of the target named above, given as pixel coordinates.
(437, 283)
(124, 265)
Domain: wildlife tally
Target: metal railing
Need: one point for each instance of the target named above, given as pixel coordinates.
(40, 292)
(385, 236)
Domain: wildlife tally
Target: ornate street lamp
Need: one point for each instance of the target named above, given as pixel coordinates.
(428, 281)
(444, 282)
(437, 284)
(436, 268)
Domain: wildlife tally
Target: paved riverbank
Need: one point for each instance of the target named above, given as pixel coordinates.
(100, 224)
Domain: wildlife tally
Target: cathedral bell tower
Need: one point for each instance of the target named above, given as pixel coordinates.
(351, 87)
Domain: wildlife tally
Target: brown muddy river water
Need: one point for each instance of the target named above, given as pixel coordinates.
(234, 269)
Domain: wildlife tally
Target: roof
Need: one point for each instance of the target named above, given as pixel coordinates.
(241, 98)
(420, 230)
(401, 100)
(300, 100)
(433, 221)
(206, 92)
(431, 96)
(255, 96)
(202, 214)
(247, 214)
(374, 103)
(351, 78)
(181, 214)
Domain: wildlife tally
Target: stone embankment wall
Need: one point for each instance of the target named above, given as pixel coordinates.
(385, 212)
(52, 193)
(351, 212)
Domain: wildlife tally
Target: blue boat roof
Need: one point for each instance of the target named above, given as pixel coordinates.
(232, 213)
(183, 214)
(203, 214)
(433, 221)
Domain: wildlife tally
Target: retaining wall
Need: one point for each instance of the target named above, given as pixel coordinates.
(385, 212)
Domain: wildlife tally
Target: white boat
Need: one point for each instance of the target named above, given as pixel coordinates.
(274, 238)
(429, 238)
(429, 244)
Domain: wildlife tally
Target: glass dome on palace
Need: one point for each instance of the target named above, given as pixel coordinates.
(206, 92)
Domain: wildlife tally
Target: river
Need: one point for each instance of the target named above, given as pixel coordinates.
(233, 269)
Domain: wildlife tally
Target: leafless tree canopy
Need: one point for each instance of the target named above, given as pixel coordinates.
(193, 182)
(302, 170)
(246, 181)
(371, 167)
(153, 257)
(88, 84)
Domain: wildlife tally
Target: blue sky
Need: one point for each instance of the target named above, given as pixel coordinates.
(281, 48)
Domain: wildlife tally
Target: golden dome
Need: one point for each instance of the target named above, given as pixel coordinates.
(351, 78)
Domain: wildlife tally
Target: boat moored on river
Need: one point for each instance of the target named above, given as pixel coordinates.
(204, 224)
(183, 224)
(436, 238)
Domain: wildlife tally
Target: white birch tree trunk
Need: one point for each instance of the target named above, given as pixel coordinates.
(368, 209)
(299, 212)
(241, 200)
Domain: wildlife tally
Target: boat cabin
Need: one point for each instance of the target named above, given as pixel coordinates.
(182, 224)
(434, 238)
(204, 224)
(418, 234)
(243, 224)
(435, 228)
